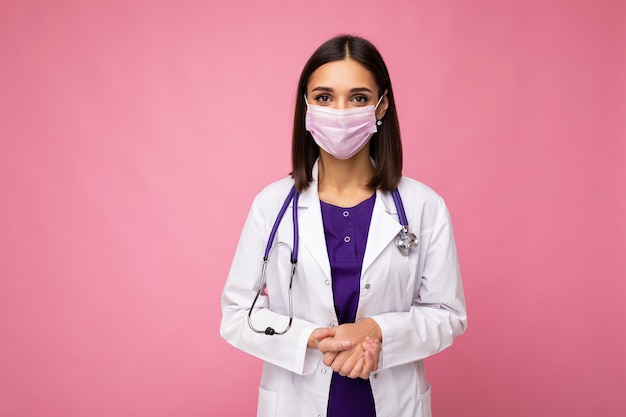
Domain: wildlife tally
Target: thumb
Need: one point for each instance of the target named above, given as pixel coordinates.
(323, 333)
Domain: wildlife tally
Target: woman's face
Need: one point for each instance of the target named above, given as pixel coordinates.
(344, 84)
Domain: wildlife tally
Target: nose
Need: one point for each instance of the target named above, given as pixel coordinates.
(341, 103)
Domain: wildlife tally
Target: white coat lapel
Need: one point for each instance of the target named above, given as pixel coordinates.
(383, 228)
(311, 226)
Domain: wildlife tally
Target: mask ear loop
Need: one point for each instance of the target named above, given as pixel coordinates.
(379, 121)
(379, 100)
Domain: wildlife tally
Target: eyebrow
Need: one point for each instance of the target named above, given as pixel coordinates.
(353, 90)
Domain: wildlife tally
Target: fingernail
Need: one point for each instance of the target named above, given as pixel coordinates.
(345, 344)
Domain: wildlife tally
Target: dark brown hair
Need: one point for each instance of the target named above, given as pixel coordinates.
(385, 145)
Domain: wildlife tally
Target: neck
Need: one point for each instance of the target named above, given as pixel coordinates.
(345, 182)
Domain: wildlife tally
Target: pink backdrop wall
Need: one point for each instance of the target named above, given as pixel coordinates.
(134, 135)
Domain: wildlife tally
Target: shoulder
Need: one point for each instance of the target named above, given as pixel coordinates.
(420, 199)
(275, 190)
(272, 196)
(416, 191)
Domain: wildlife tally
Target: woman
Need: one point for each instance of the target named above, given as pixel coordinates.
(369, 301)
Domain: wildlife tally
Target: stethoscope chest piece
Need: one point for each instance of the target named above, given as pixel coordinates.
(406, 240)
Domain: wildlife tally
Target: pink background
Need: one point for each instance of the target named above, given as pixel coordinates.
(134, 135)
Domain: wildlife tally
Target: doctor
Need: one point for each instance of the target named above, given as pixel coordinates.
(347, 333)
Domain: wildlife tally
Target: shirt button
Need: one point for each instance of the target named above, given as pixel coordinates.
(331, 324)
(346, 213)
(323, 371)
(375, 375)
(327, 282)
(346, 239)
(367, 286)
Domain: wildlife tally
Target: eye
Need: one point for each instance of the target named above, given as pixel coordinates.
(360, 99)
(322, 98)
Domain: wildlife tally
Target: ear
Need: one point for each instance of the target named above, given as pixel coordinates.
(382, 107)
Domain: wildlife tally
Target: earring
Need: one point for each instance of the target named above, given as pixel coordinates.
(379, 122)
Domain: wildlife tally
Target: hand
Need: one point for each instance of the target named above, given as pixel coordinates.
(360, 359)
(324, 340)
(369, 362)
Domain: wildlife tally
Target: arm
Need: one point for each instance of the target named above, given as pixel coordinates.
(289, 351)
(434, 318)
(437, 314)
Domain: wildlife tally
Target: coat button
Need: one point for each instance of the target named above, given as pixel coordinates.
(346, 239)
(346, 213)
(367, 286)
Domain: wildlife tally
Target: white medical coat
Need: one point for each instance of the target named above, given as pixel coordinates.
(417, 300)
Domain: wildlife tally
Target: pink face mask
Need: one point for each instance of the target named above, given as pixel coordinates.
(341, 132)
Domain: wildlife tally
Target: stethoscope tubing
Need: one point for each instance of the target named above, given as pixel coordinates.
(293, 194)
(400, 208)
(293, 198)
(404, 241)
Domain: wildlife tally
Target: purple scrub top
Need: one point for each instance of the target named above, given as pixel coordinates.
(346, 232)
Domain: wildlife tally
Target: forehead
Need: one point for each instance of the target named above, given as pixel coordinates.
(342, 75)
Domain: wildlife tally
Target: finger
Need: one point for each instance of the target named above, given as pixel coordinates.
(370, 358)
(357, 370)
(323, 333)
(329, 357)
(372, 347)
(366, 369)
(375, 352)
(331, 345)
(339, 361)
(351, 362)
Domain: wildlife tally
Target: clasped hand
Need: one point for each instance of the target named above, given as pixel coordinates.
(351, 349)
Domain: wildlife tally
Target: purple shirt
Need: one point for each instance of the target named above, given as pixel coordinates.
(346, 232)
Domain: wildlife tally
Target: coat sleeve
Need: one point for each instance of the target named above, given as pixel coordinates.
(287, 351)
(437, 314)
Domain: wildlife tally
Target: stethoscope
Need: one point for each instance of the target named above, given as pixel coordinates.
(404, 240)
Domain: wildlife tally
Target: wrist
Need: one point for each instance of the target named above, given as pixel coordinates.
(311, 343)
(373, 329)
